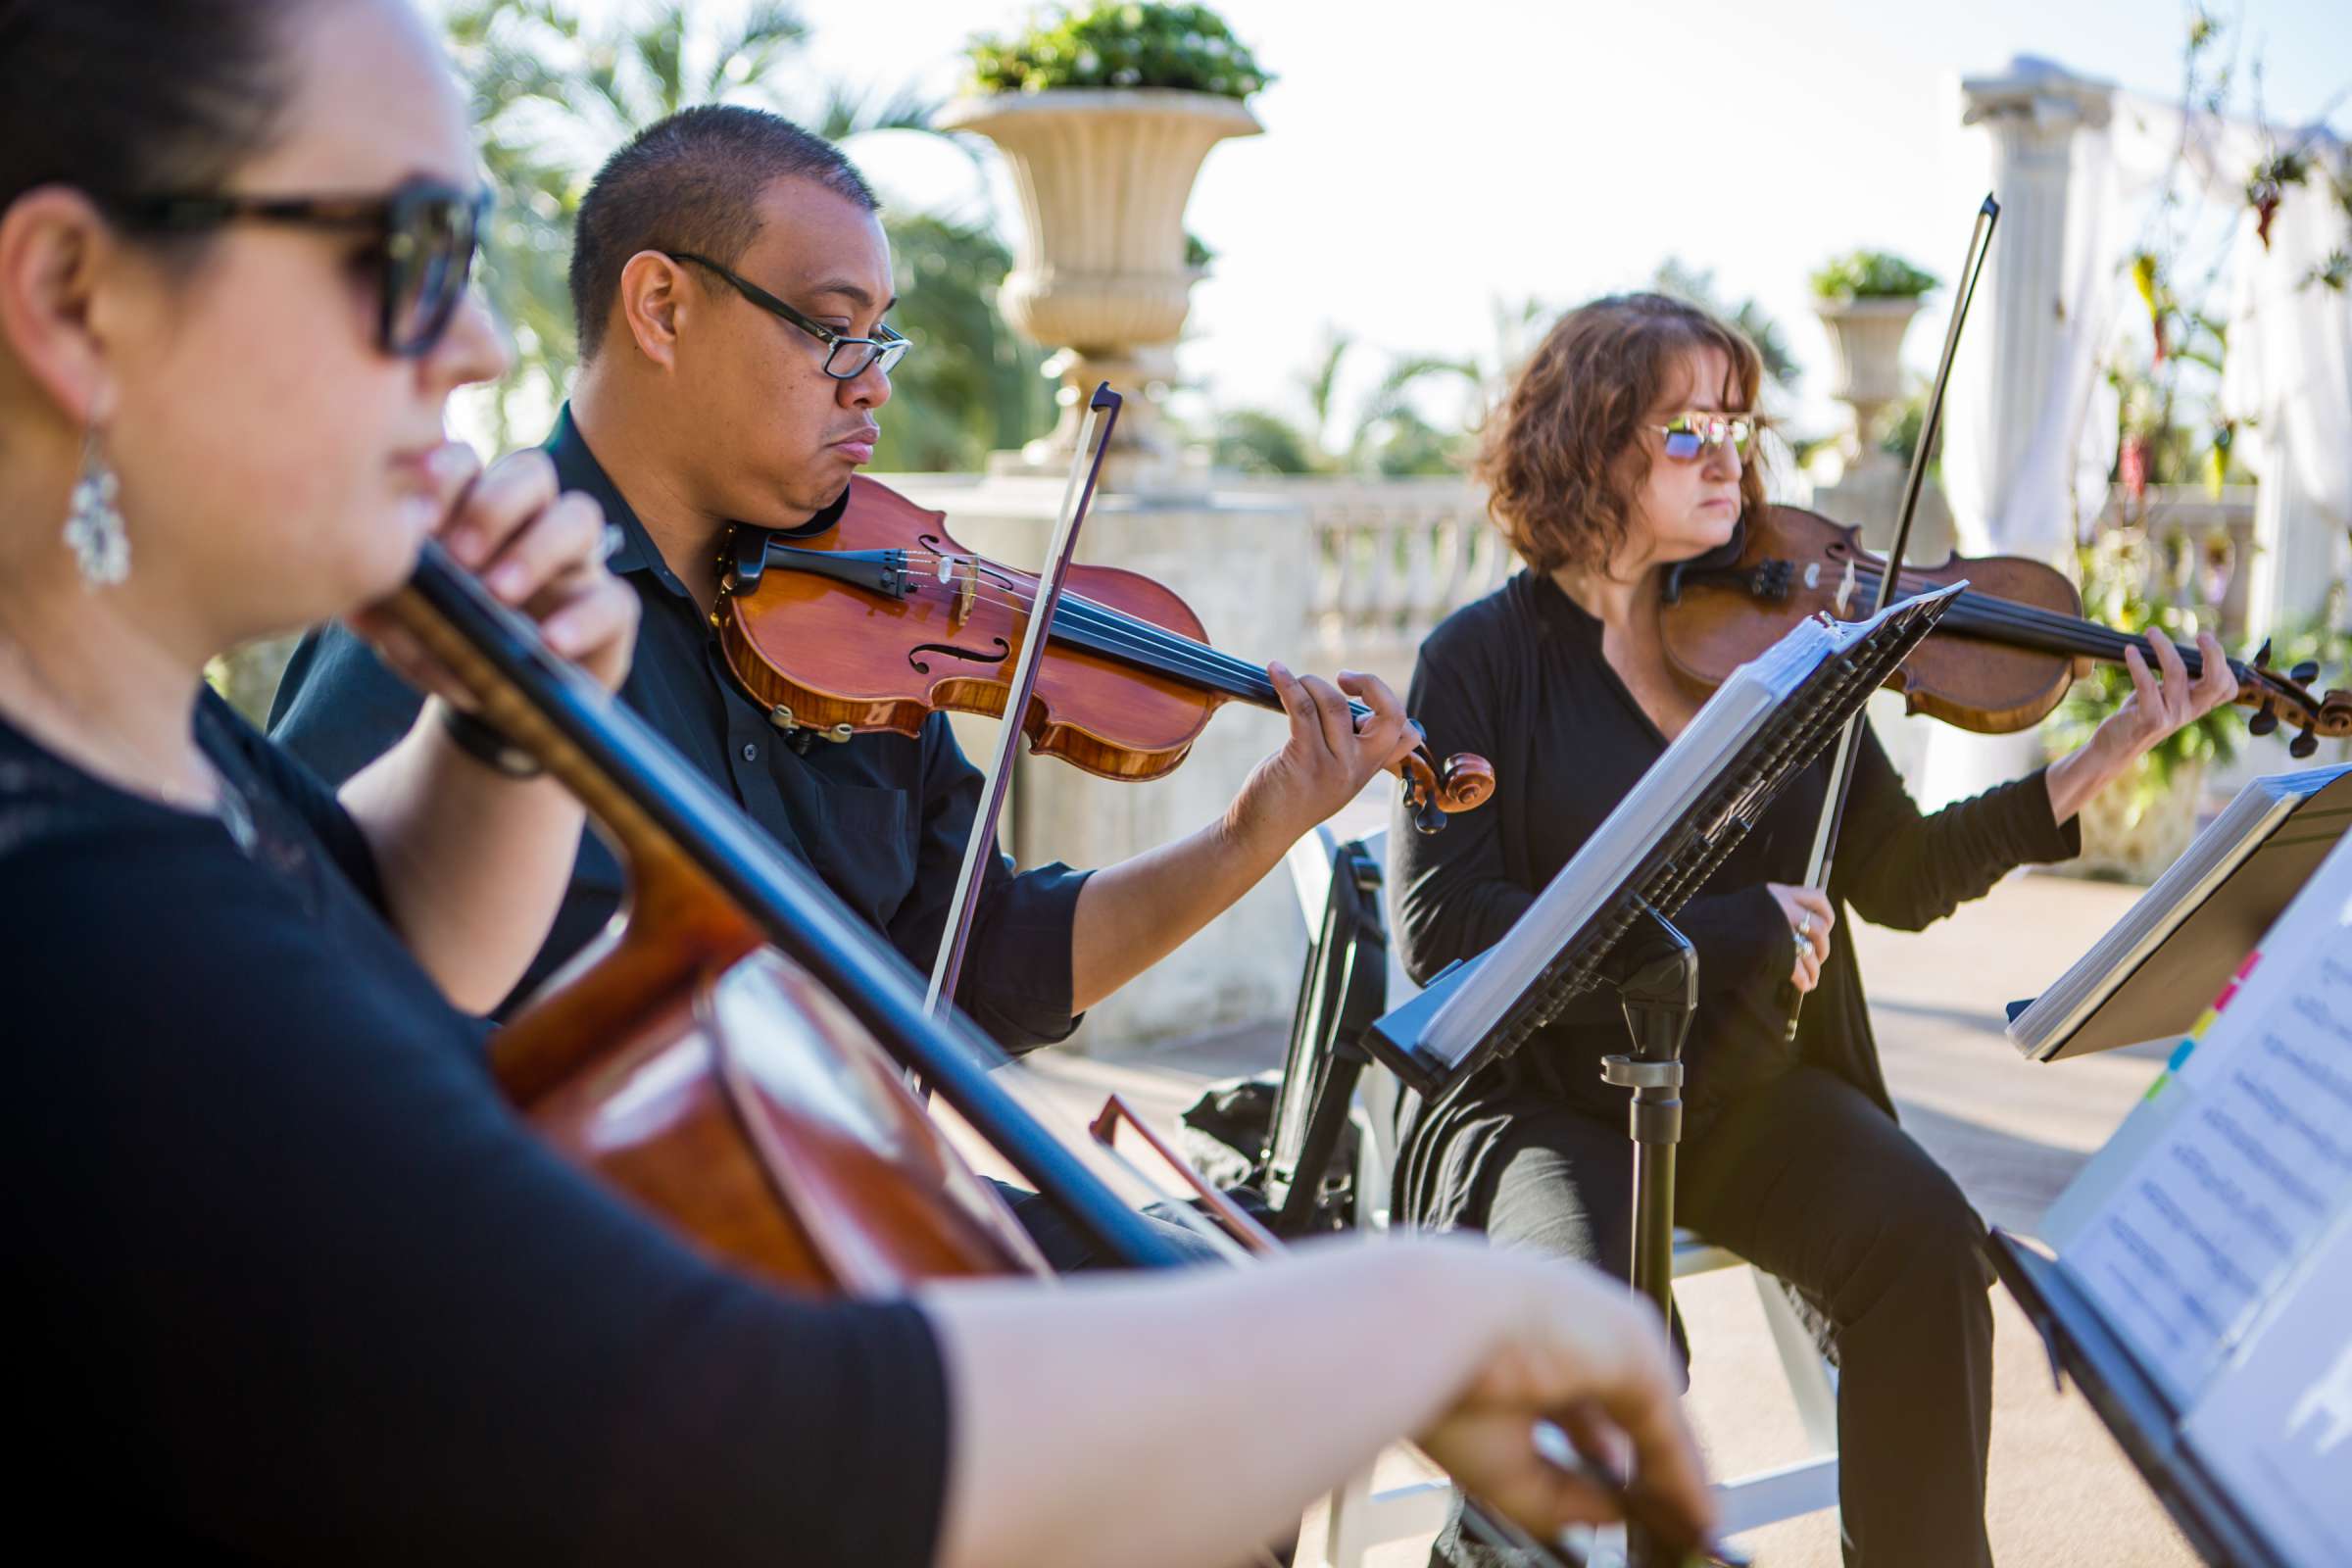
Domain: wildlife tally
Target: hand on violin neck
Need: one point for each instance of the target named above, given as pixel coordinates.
(1326, 761)
(2164, 699)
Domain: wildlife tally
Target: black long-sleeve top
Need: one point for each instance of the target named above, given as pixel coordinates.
(290, 1283)
(1519, 678)
(882, 819)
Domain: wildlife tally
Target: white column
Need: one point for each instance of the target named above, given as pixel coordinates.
(2007, 373)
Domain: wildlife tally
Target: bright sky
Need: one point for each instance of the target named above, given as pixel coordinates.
(1423, 161)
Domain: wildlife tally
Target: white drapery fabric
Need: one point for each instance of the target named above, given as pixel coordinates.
(2030, 426)
(2023, 478)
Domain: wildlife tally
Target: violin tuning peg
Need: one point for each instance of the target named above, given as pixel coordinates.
(2305, 672)
(2303, 745)
(2263, 722)
(2262, 657)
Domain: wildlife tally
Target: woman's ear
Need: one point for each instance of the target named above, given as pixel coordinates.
(55, 250)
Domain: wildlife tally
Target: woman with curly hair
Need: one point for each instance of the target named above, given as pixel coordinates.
(1628, 444)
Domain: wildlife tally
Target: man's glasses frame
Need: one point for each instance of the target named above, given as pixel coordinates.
(428, 233)
(885, 347)
(1688, 435)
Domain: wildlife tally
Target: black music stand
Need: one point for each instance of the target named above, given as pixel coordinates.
(1655, 971)
(1673, 866)
(2143, 1419)
(1342, 990)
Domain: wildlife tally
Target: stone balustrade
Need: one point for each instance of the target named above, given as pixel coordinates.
(1324, 573)
(1392, 558)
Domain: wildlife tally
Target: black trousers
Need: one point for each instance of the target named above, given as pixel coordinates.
(1810, 1181)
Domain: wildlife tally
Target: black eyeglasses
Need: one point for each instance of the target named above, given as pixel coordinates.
(426, 233)
(846, 358)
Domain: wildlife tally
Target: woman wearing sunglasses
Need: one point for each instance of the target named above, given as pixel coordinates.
(1628, 444)
(290, 1282)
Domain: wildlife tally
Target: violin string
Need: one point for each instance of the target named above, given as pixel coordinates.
(2011, 613)
(1156, 647)
(1199, 656)
(2086, 636)
(1187, 657)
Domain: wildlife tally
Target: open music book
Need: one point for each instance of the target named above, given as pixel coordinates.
(1760, 727)
(2151, 975)
(2204, 1257)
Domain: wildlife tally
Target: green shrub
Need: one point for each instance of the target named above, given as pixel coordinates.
(1120, 45)
(1871, 275)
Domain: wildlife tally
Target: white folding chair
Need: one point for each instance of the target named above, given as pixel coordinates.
(1363, 1516)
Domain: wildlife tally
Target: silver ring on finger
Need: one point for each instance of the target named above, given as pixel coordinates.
(1804, 926)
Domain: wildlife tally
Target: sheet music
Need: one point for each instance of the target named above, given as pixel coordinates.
(2137, 982)
(2276, 1429)
(2251, 1167)
(1671, 787)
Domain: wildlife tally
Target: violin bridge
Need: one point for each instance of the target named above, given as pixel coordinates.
(967, 592)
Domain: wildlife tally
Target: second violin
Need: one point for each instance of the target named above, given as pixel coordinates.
(875, 621)
(1999, 660)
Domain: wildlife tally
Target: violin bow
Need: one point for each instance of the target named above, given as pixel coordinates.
(1841, 766)
(1086, 468)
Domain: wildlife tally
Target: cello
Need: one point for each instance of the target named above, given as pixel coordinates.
(731, 1057)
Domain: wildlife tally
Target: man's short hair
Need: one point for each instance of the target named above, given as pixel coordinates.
(691, 183)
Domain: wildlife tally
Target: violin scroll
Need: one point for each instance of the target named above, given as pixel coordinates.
(1435, 792)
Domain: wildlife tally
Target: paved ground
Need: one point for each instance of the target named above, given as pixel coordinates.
(2013, 1132)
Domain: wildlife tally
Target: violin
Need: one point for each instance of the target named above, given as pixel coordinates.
(882, 618)
(2001, 660)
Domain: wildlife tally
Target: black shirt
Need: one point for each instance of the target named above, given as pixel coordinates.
(1519, 677)
(882, 819)
(291, 1282)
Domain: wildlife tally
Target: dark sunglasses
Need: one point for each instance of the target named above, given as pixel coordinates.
(846, 358)
(426, 233)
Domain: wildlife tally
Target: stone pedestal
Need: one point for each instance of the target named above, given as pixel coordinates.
(1098, 270)
(1866, 366)
(1246, 568)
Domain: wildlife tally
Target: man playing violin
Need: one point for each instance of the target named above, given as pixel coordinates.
(732, 281)
(1625, 446)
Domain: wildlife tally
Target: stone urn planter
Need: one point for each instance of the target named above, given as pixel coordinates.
(2132, 834)
(1866, 348)
(1099, 273)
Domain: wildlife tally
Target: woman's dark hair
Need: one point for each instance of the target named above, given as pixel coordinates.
(1564, 460)
(166, 97)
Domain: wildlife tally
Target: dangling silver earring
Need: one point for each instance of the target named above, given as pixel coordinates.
(94, 528)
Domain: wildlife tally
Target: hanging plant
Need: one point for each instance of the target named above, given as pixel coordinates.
(2335, 272)
(2268, 188)
(2143, 278)
(2217, 459)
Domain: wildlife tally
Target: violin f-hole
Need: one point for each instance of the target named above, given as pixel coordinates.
(975, 656)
